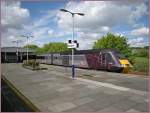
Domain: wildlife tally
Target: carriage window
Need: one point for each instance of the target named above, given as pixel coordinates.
(40, 57)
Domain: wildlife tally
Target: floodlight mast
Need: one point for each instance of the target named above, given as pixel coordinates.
(72, 13)
(17, 42)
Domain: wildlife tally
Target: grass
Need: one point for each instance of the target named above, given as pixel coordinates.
(141, 64)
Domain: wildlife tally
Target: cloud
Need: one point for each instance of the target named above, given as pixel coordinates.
(50, 32)
(139, 11)
(100, 13)
(100, 17)
(136, 42)
(129, 2)
(13, 17)
(86, 40)
(40, 33)
(140, 31)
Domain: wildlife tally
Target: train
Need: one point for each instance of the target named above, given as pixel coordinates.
(101, 59)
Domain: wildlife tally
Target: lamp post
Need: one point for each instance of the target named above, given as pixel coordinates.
(73, 14)
(17, 42)
(27, 36)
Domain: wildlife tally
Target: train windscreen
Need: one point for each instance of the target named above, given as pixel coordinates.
(121, 56)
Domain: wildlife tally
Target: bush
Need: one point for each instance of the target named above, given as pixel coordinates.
(131, 59)
(141, 64)
(142, 52)
(32, 63)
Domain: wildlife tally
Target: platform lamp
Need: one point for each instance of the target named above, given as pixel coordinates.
(73, 14)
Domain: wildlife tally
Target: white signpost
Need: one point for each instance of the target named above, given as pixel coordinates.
(72, 44)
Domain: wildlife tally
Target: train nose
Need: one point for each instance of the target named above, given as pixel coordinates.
(126, 66)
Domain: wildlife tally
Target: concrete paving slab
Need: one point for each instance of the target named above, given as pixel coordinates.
(132, 110)
(92, 86)
(81, 108)
(143, 107)
(104, 84)
(64, 89)
(125, 104)
(62, 107)
(82, 101)
(111, 109)
(138, 99)
(97, 105)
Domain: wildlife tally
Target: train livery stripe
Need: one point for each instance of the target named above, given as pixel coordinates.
(21, 96)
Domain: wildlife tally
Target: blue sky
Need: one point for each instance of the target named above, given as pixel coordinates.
(44, 20)
(38, 8)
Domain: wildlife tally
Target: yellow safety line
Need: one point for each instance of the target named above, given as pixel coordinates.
(21, 96)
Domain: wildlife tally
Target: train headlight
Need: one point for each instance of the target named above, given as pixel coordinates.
(122, 65)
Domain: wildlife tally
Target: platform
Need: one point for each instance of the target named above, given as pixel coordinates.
(54, 90)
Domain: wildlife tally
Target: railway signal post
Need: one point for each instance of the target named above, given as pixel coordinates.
(72, 45)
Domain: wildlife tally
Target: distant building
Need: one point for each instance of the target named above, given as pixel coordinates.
(9, 54)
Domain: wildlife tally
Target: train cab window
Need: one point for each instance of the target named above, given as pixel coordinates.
(109, 58)
(120, 56)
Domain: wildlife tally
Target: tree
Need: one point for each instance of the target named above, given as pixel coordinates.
(111, 41)
(34, 47)
(31, 46)
(54, 47)
(49, 47)
(40, 51)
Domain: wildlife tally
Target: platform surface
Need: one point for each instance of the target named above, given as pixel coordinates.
(54, 89)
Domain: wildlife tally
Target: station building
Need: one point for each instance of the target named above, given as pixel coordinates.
(9, 54)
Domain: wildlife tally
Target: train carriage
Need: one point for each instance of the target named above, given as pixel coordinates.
(104, 59)
(57, 59)
(40, 58)
(79, 61)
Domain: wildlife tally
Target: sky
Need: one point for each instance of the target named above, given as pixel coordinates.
(45, 21)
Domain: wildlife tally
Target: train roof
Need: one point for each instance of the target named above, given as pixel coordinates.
(89, 51)
(81, 52)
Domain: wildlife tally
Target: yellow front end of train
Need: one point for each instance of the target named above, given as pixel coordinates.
(126, 65)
